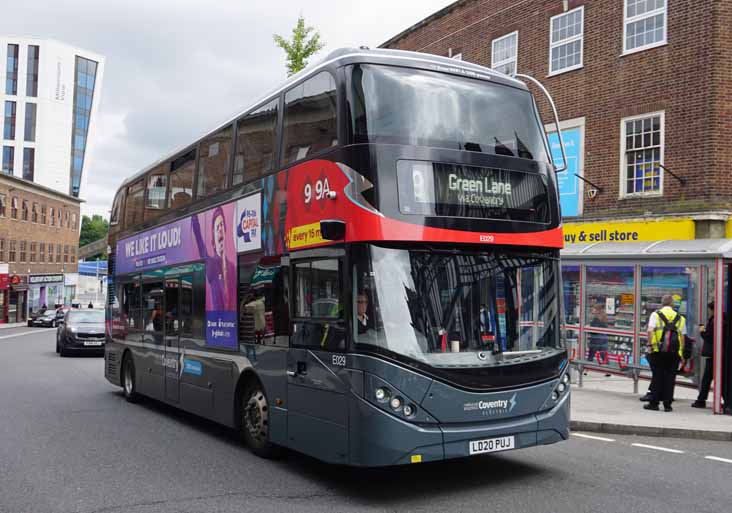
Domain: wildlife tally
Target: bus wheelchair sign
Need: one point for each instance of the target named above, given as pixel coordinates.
(503, 443)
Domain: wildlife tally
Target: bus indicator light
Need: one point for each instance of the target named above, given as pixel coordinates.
(416, 458)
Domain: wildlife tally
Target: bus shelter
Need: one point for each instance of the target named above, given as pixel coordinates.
(610, 289)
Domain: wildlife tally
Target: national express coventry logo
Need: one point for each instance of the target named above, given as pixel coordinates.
(495, 407)
(248, 225)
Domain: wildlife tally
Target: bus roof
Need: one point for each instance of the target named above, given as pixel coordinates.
(341, 57)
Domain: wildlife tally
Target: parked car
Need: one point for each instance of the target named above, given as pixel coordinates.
(60, 313)
(46, 318)
(81, 331)
(33, 316)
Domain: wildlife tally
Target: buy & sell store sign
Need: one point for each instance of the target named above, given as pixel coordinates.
(630, 231)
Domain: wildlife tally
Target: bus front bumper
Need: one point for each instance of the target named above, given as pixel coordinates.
(380, 439)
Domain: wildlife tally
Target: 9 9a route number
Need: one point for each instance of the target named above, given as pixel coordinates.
(317, 192)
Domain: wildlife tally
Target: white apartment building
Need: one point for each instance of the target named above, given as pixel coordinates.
(49, 94)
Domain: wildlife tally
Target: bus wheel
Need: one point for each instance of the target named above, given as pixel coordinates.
(128, 379)
(255, 422)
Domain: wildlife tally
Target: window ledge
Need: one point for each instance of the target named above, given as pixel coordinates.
(643, 48)
(636, 195)
(565, 70)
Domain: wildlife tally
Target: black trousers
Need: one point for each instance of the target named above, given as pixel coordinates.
(706, 381)
(663, 379)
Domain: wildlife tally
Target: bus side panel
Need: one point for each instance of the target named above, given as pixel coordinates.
(149, 373)
(269, 364)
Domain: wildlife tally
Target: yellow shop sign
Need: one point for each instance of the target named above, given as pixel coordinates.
(630, 231)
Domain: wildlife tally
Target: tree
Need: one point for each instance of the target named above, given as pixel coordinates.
(300, 49)
(92, 229)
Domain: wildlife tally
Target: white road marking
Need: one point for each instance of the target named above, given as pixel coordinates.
(20, 334)
(581, 435)
(715, 458)
(665, 449)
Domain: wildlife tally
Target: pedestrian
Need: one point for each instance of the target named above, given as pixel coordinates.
(91, 305)
(707, 332)
(666, 332)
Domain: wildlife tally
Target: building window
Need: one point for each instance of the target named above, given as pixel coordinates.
(2, 206)
(30, 122)
(8, 159)
(66, 219)
(73, 221)
(2, 250)
(29, 163)
(73, 254)
(565, 45)
(33, 252)
(58, 214)
(504, 53)
(14, 207)
(41, 252)
(43, 214)
(642, 141)
(9, 126)
(645, 24)
(24, 210)
(11, 78)
(51, 216)
(12, 251)
(31, 83)
(58, 253)
(85, 77)
(66, 253)
(34, 213)
(22, 251)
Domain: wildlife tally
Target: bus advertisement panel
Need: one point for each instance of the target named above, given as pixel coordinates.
(211, 236)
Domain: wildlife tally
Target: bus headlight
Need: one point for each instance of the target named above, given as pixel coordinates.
(381, 394)
(409, 410)
(396, 403)
(555, 396)
(561, 387)
(565, 378)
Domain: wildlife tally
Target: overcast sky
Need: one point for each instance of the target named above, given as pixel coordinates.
(176, 68)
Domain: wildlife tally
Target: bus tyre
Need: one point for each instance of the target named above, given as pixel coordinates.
(128, 379)
(255, 422)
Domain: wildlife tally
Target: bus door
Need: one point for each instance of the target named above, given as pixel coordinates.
(172, 339)
(317, 412)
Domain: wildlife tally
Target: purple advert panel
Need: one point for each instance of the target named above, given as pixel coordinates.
(207, 236)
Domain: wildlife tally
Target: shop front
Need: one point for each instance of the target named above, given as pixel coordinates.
(45, 290)
(17, 299)
(611, 289)
(4, 292)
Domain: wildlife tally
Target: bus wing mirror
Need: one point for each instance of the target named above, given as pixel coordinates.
(563, 167)
(332, 229)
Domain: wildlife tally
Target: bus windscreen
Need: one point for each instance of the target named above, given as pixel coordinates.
(394, 105)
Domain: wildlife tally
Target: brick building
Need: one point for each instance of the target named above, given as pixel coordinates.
(39, 239)
(644, 93)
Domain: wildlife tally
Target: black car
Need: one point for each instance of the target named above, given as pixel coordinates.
(46, 318)
(81, 331)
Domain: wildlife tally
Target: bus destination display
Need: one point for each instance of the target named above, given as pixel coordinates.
(435, 189)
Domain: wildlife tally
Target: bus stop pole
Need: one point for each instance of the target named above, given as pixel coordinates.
(718, 334)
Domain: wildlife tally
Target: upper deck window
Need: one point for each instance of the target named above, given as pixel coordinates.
(213, 164)
(424, 108)
(255, 143)
(135, 204)
(181, 179)
(310, 118)
(504, 53)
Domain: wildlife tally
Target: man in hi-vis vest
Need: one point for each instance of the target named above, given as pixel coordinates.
(666, 331)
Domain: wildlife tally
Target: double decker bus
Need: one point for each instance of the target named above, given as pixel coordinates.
(362, 267)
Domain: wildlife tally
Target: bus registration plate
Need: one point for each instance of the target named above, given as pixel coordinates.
(503, 443)
(92, 342)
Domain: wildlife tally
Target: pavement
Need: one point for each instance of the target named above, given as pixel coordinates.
(10, 325)
(608, 405)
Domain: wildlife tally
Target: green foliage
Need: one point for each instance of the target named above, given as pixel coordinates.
(92, 229)
(300, 49)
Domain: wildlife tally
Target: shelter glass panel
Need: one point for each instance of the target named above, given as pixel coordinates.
(609, 291)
